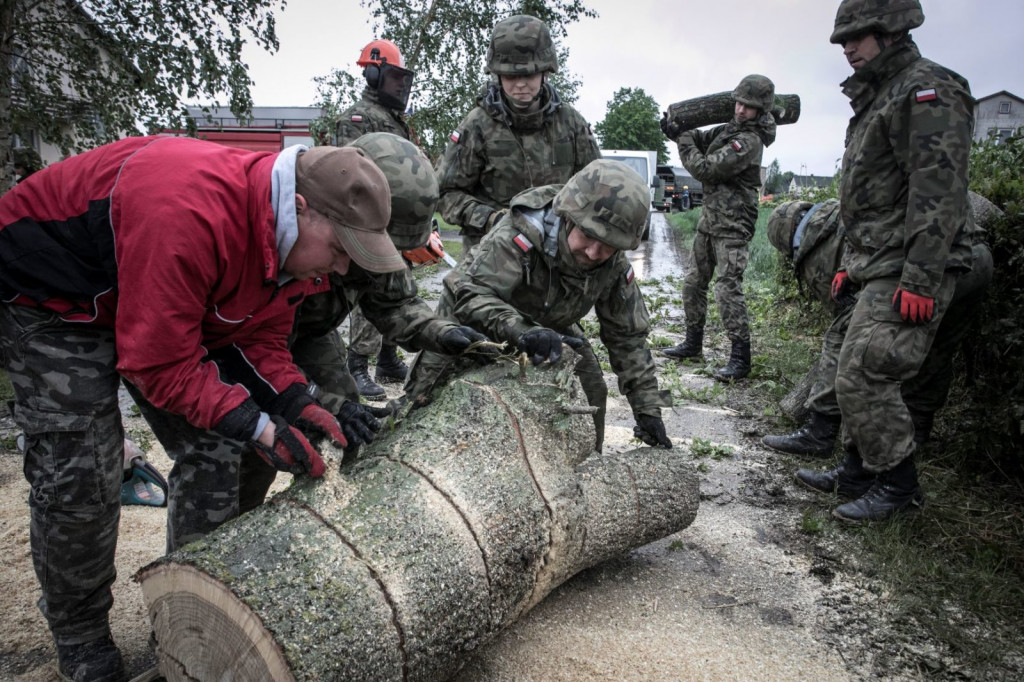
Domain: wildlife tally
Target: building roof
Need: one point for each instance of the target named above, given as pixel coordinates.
(812, 180)
(1001, 93)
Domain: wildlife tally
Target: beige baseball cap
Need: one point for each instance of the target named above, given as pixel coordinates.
(348, 188)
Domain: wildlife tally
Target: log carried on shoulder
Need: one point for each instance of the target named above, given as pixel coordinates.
(441, 535)
(719, 108)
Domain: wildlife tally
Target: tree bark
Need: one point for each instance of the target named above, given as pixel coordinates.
(443, 533)
(792, 404)
(719, 108)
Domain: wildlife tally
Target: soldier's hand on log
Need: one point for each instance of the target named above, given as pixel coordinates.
(358, 423)
(839, 283)
(542, 344)
(290, 451)
(317, 421)
(651, 430)
(669, 127)
(912, 307)
(458, 340)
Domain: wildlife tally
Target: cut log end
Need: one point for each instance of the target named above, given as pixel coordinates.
(186, 605)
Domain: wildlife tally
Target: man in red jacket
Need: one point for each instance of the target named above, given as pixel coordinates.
(152, 259)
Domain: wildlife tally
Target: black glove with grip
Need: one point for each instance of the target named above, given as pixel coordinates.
(291, 451)
(457, 340)
(651, 430)
(542, 344)
(669, 127)
(358, 423)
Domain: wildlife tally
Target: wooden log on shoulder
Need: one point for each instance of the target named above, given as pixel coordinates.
(720, 108)
(442, 534)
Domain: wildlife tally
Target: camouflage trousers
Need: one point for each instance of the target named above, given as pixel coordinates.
(729, 257)
(879, 353)
(213, 479)
(323, 359)
(363, 337)
(65, 387)
(924, 393)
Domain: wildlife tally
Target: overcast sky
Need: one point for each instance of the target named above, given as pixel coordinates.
(679, 49)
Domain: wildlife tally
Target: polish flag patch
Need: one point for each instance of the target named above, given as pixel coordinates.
(630, 275)
(737, 146)
(926, 95)
(356, 118)
(454, 137)
(522, 242)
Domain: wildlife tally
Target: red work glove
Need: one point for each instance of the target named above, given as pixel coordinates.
(838, 284)
(317, 421)
(291, 451)
(911, 307)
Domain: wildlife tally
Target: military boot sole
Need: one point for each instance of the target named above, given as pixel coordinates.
(731, 376)
(678, 355)
(391, 376)
(820, 482)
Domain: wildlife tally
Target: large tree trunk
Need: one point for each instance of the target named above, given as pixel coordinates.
(793, 403)
(719, 108)
(441, 535)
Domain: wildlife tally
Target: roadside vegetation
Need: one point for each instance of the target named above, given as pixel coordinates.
(955, 570)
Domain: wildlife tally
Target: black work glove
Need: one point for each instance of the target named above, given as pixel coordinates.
(651, 430)
(669, 127)
(457, 341)
(291, 451)
(358, 422)
(543, 344)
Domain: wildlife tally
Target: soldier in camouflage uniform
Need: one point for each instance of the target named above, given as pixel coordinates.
(520, 134)
(727, 159)
(555, 256)
(381, 110)
(812, 239)
(903, 201)
(112, 269)
(391, 303)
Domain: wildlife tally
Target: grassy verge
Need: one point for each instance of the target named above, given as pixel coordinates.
(955, 570)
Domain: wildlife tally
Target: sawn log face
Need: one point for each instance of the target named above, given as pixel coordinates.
(441, 535)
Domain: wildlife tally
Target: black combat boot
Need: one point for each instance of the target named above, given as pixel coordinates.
(95, 661)
(738, 366)
(390, 368)
(849, 479)
(816, 437)
(357, 368)
(893, 491)
(691, 347)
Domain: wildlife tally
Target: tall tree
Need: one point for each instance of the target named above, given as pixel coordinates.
(445, 43)
(772, 178)
(631, 122)
(80, 73)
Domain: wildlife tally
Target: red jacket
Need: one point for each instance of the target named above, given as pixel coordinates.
(170, 241)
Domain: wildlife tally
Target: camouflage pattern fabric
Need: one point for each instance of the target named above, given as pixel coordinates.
(369, 116)
(213, 479)
(515, 280)
(729, 257)
(727, 160)
(496, 153)
(860, 17)
(756, 91)
(903, 200)
(521, 45)
(65, 387)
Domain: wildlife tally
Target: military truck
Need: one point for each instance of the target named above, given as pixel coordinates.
(682, 191)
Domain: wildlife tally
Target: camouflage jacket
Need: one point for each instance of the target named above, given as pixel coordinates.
(904, 184)
(727, 160)
(522, 276)
(368, 116)
(818, 243)
(495, 154)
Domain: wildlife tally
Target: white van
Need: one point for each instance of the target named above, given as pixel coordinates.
(645, 163)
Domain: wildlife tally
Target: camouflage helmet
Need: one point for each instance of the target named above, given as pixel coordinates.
(608, 200)
(521, 45)
(756, 91)
(414, 190)
(27, 158)
(783, 223)
(862, 17)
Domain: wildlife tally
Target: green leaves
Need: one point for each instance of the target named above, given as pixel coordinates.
(631, 122)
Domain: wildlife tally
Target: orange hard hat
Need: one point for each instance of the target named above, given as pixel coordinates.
(380, 51)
